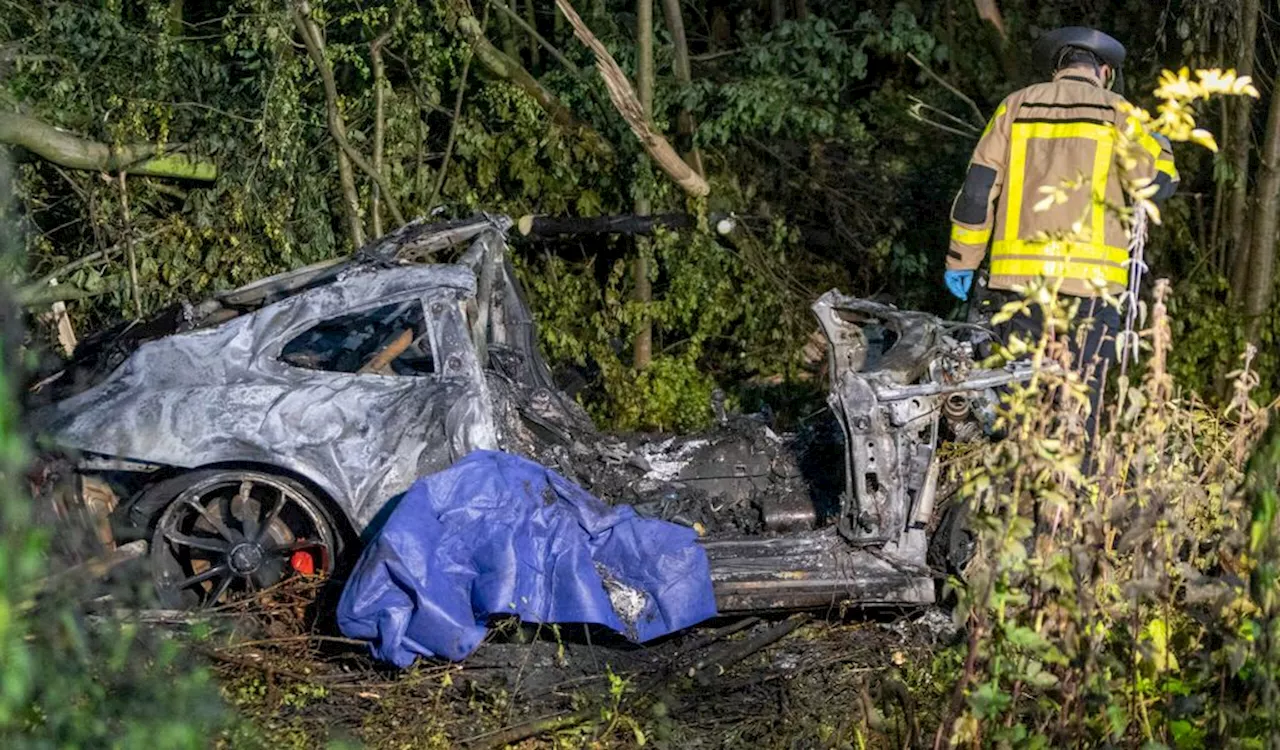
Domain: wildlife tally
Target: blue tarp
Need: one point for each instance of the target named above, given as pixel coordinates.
(499, 534)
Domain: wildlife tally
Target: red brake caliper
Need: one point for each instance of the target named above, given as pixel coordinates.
(303, 562)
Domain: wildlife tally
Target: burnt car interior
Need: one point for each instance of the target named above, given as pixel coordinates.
(387, 340)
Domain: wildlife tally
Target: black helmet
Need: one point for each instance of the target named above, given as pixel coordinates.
(1048, 48)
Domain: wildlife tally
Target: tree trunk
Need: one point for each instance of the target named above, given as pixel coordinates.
(505, 31)
(643, 353)
(1240, 146)
(535, 56)
(379, 126)
(67, 150)
(1262, 254)
(337, 127)
(175, 18)
(802, 10)
(684, 76)
(778, 11)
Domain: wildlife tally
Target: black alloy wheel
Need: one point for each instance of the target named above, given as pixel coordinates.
(234, 532)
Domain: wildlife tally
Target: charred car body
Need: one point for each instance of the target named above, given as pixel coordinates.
(266, 429)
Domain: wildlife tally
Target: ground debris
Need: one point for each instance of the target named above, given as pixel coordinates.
(547, 686)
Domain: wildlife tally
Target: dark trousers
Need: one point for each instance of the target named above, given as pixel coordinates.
(1093, 352)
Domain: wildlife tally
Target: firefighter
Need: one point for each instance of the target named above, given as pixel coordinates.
(1052, 134)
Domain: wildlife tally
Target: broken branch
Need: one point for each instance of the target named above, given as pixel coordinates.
(506, 68)
(977, 112)
(521, 732)
(914, 111)
(629, 106)
(71, 151)
(736, 652)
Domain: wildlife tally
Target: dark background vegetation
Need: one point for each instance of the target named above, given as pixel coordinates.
(798, 113)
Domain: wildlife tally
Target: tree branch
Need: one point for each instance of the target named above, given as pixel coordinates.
(684, 76)
(977, 112)
(624, 99)
(504, 67)
(301, 12)
(453, 133)
(548, 46)
(315, 47)
(71, 151)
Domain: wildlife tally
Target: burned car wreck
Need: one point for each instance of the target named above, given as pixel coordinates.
(267, 429)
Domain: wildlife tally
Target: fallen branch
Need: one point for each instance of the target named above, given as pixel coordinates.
(96, 568)
(542, 227)
(736, 652)
(71, 151)
(35, 288)
(628, 105)
(61, 293)
(520, 732)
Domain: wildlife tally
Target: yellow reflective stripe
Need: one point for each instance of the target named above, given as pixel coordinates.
(1021, 132)
(1089, 130)
(992, 122)
(970, 236)
(1101, 165)
(1060, 269)
(1078, 251)
(1017, 176)
(1149, 144)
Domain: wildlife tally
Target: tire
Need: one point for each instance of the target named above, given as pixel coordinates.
(229, 532)
(953, 544)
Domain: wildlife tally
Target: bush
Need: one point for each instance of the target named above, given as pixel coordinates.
(66, 680)
(1133, 605)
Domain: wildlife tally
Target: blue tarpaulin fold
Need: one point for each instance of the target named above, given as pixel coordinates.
(499, 534)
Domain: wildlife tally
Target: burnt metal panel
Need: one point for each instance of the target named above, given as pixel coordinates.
(222, 395)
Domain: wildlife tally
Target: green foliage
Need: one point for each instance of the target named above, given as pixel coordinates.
(1110, 608)
(66, 681)
(722, 316)
(798, 78)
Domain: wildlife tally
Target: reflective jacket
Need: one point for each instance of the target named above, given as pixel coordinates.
(1044, 136)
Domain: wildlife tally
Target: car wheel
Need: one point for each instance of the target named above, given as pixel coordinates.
(232, 532)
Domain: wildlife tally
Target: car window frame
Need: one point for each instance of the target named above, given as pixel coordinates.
(273, 356)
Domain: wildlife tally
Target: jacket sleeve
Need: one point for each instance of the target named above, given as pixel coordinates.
(1167, 178)
(973, 213)
(1151, 163)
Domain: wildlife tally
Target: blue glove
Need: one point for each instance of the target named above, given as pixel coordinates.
(958, 282)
